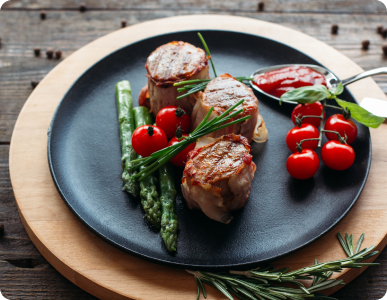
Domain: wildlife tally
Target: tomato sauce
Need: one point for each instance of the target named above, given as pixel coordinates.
(280, 81)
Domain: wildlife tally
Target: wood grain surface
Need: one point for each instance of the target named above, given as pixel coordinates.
(74, 251)
(25, 274)
(321, 6)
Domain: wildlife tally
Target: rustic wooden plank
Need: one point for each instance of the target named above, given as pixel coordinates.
(18, 66)
(48, 102)
(370, 285)
(17, 62)
(44, 282)
(25, 274)
(322, 6)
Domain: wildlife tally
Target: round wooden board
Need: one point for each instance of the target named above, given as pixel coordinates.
(109, 273)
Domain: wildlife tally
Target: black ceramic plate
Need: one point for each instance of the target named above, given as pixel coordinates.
(281, 215)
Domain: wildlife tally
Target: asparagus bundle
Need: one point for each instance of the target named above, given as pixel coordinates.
(126, 121)
(169, 222)
(149, 196)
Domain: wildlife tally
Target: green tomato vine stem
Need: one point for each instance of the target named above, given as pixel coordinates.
(342, 140)
(299, 145)
(334, 107)
(321, 117)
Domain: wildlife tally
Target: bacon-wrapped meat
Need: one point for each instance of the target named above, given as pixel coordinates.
(217, 176)
(222, 93)
(168, 64)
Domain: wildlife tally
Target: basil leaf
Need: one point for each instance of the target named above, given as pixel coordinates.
(361, 115)
(306, 94)
(337, 90)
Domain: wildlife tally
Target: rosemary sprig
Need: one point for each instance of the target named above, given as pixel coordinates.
(161, 157)
(262, 284)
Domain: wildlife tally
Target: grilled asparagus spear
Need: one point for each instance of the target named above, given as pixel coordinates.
(169, 222)
(126, 121)
(148, 192)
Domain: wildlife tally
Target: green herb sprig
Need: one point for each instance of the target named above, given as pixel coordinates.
(161, 157)
(312, 94)
(196, 85)
(208, 52)
(265, 283)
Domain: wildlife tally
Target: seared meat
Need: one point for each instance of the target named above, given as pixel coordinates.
(171, 63)
(217, 176)
(222, 93)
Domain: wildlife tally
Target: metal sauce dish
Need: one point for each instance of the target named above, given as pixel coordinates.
(331, 78)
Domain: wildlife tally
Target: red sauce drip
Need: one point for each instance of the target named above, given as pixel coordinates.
(280, 81)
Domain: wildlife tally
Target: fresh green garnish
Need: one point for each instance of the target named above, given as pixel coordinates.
(312, 94)
(360, 114)
(337, 90)
(267, 283)
(197, 85)
(208, 52)
(306, 94)
(161, 157)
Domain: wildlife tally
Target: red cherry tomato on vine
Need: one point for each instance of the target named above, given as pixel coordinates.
(147, 139)
(296, 134)
(337, 156)
(309, 109)
(303, 165)
(180, 159)
(343, 126)
(170, 118)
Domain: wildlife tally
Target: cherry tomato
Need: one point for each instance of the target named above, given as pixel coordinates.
(147, 139)
(309, 109)
(342, 126)
(296, 134)
(303, 165)
(337, 156)
(180, 159)
(170, 118)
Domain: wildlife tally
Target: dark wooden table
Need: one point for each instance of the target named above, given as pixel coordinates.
(24, 273)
